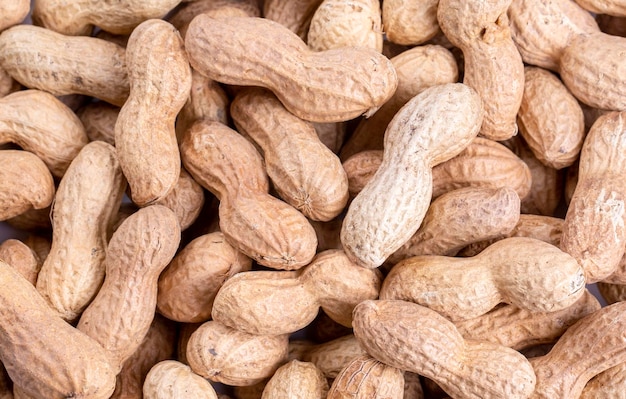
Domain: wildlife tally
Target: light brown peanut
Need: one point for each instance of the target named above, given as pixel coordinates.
(460, 217)
(144, 129)
(365, 377)
(337, 24)
(186, 199)
(86, 202)
(45, 356)
(492, 64)
(20, 257)
(188, 286)
(25, 183)
(261, 226)
(50, 129)
(233, 357)
(331, 281)
(99, 119)
(170, 379)
(304, 172)
(182, 16)
(390, 208)
(419, 340)
(79, 17)
(296, 380)
(519, 329)
(42, 59)
(295, 15)
(330, 357)
(304, 81)
(550, 119)
(33, 220)
(525, 272)
(609, 7)
(598, 202)
(592, 345)
(410, 22)
(13, 12)
(120, 315)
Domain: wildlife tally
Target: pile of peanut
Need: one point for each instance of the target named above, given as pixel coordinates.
(309, 199)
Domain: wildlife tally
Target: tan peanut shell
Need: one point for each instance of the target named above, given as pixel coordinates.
(304, 81)
(542, 30)
(263, 227)
(296, 380)
(609, 7)
(42, 59)
(525, 272)
(79, 17)
(610, 383)
(182, 15)
(158, 345)
(295, 15)
(85, 204)
(460, 217)
(120, 315)
(13, 12)
(330, 357)
(170, 379)
(592, 67)
(99, 119)
(419, 340)
(25, 183)
(7, 83)
(50, 129)
(144, 129)
(33, 220)
(361, 168)
(304, 172)
(20, 257)
(338, 23)
(517, 328)
(388, 211)
(186, 199)
(233, 357)
(365, 377)
(417, 68)
(290, 300)
(483, 163)
(44, 355)
(598, 201)
(189, 284)
(410, 22)
(550, 119)
(592, 345)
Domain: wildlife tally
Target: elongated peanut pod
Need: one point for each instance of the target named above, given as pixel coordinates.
(120, 315)
(170, 379)
(419, 340)
(304, 81)
(50, 130)
(233, 357)
(305, 173)
(79, 17)
(32, 55)
(25, 183)
(261, 226)
(87, 200)
(331, 281)
(431, 128)
(145, 125)
(36, 341)
(526, 272)
(592, 345)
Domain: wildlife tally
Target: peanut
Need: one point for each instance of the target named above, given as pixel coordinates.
(120, 315)
(413, 338)
(608, 384)
(525, 272)
(305, 173)
(261, 226)
(296, 380)
(42, 59)
(23, 259)
(25, 183)
(331, 281)
(99, 119)
(170, 379)
(366, 377)
(410, 22)
(392, 205)
(186, 199)
(304, 81)
(189, 284)
(330, 357)
(610, 7)
(295, 15)
(145, 125)
(79, 17)
(33, 220)
(233, 357)
(82, 218)
(13, 12)
(182, 16)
